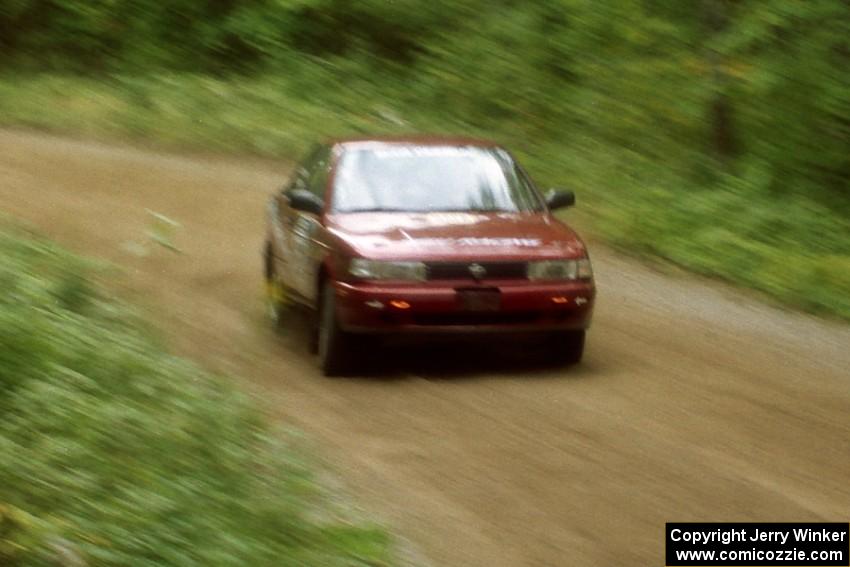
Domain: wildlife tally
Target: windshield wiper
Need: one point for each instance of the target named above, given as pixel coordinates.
(469, 210)
(375, 210)
(424, 211)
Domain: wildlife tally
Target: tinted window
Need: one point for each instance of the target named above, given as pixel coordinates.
(431, 178)
(312, 173)
(318, 172)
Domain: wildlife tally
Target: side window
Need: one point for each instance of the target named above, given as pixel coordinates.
(301, 175)
(319, 171)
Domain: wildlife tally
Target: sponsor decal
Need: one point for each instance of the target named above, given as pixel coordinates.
(418, 151)
(471, 241)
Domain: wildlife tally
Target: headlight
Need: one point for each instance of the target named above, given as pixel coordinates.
(560, 270)
(382, 270)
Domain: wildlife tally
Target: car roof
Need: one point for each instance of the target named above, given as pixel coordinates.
(413, 140)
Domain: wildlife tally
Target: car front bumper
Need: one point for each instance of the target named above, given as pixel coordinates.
(525, 306)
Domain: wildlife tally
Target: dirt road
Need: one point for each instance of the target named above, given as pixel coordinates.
(695, 403)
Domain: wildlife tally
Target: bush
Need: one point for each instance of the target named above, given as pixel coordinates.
(120, 454)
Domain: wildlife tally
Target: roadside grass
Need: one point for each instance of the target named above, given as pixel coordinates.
(113, 452)
(792, 247)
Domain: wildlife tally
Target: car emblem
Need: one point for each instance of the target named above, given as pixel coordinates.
(477, 270)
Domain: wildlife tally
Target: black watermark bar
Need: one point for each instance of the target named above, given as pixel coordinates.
(763, 545)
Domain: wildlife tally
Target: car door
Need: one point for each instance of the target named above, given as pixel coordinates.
(307, 252)
(282, 218)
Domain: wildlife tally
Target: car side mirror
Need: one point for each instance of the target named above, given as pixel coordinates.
(303, 200)
(560, 198)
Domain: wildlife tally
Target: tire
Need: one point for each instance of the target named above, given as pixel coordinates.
(567, 347)
(336, 348)
(275, 293)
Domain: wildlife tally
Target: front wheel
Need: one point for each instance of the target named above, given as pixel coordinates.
(335, 346)
(567, 347)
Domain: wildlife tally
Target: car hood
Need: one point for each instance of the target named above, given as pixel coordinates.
(455, 236)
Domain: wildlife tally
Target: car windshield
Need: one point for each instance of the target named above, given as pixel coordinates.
(431, 179)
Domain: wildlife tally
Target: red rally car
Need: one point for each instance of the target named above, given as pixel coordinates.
(382, 236)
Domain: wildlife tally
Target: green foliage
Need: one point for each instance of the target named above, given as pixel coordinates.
(791, 248)
(120, 454)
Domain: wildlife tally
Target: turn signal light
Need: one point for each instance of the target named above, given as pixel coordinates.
(400, 304)
(560, 299)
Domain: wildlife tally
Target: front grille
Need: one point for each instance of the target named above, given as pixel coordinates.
(493, 270)
(476, 318)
